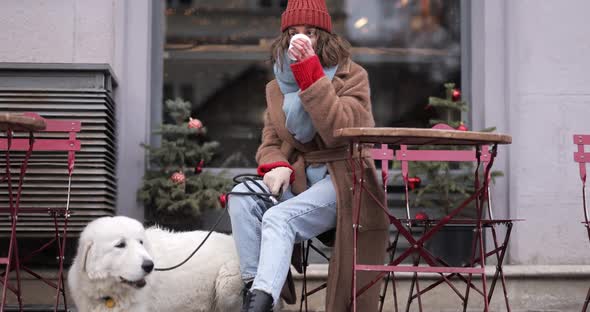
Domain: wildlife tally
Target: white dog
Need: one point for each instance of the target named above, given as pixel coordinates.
(112, 270)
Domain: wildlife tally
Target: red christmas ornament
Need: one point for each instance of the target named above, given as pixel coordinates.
(223, 200)
(194, 123)
(178, 177)
(199, 167)
(456, 95)
(414, 182)
(462, 127)
(421, 216)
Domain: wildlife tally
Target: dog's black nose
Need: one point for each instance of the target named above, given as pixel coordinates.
(147, 265)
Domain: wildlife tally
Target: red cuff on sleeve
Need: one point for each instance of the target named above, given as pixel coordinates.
(264, 168)
(307, 72)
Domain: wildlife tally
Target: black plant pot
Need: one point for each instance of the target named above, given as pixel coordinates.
(453, 244)
(178, 222)
(181, 222)
(210, 217)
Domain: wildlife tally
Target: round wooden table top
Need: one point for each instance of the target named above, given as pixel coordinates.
(421, 136)
(19, 122)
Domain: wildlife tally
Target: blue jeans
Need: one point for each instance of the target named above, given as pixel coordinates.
(265, 234)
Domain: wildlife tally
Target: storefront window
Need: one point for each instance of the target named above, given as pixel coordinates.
(217, 53)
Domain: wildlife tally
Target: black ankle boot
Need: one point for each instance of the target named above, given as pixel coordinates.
(257, 301)
(245, 292)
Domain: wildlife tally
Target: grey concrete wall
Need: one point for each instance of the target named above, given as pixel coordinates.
(530, 78)
(64, 31)
(114, 32)
(134, 52)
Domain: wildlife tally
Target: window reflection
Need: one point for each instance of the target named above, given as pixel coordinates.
(217, 55)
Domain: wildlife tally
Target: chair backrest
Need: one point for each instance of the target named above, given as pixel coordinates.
(405, 155)
(70, 145)
(582, 158)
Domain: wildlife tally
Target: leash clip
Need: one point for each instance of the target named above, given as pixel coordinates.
(273, 200)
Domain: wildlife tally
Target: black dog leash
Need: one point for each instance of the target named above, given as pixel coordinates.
(262, 194)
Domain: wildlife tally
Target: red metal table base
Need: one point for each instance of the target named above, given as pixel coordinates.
(418, 250)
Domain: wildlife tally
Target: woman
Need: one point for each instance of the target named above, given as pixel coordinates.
(320, 91)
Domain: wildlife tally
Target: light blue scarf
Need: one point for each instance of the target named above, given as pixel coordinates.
(297, 119)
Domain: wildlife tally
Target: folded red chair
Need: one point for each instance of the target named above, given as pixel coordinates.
(582, 158)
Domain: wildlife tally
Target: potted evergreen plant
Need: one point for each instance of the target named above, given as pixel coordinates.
(175, 190)
(440, 187)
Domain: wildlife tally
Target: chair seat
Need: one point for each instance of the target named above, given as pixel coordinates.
(328, 238)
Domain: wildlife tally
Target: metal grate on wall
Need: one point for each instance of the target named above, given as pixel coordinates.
(63, 91)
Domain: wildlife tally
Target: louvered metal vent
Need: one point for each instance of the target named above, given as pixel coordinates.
(60, 91)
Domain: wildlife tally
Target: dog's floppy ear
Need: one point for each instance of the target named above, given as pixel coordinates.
(89, 261)
(83, 251)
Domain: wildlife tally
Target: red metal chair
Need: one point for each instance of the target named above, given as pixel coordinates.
(13, 260)
(582, 158)
(405, 155)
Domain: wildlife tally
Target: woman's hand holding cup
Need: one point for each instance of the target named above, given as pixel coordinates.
(300, 48)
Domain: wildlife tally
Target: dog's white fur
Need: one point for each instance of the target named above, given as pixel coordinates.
(209, 282)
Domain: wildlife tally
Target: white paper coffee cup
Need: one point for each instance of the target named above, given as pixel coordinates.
(296, 36)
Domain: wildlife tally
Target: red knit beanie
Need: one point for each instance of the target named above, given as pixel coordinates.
(307, 12)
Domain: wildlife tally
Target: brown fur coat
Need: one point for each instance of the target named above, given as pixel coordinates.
(340, 103)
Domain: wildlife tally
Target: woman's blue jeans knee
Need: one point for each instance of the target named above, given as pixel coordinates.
(265, 234)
